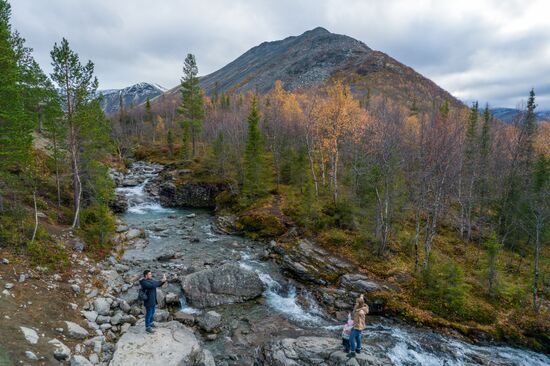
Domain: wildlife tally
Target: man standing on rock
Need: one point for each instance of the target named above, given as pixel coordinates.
(149, 287)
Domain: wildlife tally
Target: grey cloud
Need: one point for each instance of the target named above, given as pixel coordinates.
(487, 50)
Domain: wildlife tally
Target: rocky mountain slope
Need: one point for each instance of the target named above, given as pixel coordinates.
(316, 56)
(131, 96)
(310, 59)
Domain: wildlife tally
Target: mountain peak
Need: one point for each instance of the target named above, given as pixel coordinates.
(131, 96)
(298, 61)
(317, 30)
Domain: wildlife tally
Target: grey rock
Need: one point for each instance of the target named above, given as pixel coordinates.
(22, 277)
(102, 319)
(121, 228)
(306, 351)
(359, 283)
(30, 335)
(9, 286)
(184, 318)
(210, 321)
(78, 360)
(133, 234)
(76, 331)
(161, 316)
(79, 246)
(190, 194)
(172, 299)
(124, 306)
(227, 284)
(89, 315)
(172, 344)
(116, 319)
(31, 356)
(60, 352)
(94, 358)
(75, 288)
(5, 261)
(102, 306)
(161, 299)
(119, 204)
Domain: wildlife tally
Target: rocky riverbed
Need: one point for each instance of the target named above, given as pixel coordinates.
(228, 301)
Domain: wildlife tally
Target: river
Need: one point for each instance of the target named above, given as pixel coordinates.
(286, 308)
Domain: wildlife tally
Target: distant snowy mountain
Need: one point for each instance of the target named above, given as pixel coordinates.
(131, 96)
(509, 114)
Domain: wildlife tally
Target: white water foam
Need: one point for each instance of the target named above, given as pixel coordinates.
(186, 308)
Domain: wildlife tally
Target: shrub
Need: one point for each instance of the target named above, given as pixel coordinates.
(444, 289)
(44, 251)
(97, 227)
(340, 215)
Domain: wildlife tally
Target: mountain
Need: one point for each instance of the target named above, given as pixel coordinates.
(131, 96)
(310, 59)
(508, 115)
(313, 58)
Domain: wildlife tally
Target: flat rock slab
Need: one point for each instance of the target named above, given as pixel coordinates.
(306, 351)
(172, 344)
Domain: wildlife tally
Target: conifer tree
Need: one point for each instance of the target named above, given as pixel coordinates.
(170, 143)
(255, 170)
(15, 137)
(191, 107)
(77, 86)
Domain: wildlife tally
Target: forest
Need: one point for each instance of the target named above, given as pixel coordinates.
(450, 201)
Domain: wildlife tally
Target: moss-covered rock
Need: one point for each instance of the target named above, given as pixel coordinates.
(260, 224)
(190, 194)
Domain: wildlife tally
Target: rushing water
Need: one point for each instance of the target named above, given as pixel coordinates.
(191, 233)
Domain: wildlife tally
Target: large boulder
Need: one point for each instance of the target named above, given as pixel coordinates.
(227, 284)
(305, 351)
(172, 344)
(190, 194)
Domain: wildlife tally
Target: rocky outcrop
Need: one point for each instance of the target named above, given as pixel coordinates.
(359, 283)
(227, 284)
(119, 204)
(305, 351)
(172, 344)
(309, 263)
(190, 194)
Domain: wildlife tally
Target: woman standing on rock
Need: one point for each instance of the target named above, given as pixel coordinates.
(359, 311)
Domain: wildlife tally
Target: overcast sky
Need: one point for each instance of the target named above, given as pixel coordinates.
(491, 51)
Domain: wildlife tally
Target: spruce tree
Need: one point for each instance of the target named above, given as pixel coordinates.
(191, 107)
(255, 170)
(170, 143)
(15, 138)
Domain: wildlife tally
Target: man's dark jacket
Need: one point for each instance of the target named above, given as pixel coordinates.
(150, 288)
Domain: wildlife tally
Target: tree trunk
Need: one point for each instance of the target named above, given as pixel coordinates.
(77, 185)
(538, 229)
(35, 217)
(194, 150)
(312, 165)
